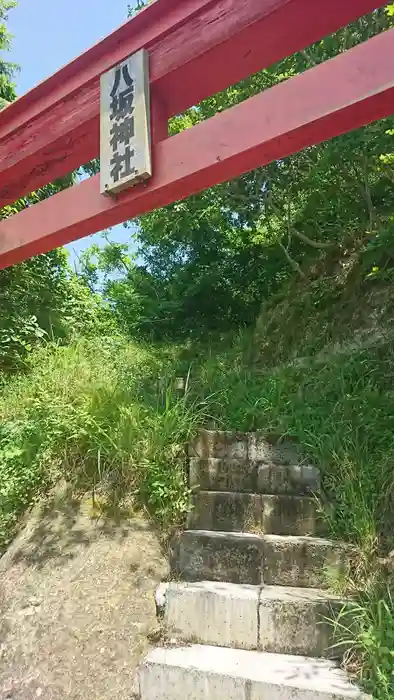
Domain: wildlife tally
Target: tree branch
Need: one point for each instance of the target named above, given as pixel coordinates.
(301, 236)
(293, 263)
(368, 196)
(309, 241)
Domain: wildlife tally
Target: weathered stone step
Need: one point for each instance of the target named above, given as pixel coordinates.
(220, 443)
(236, 445)
(198, 672)
(222, 474)
(251, 512)
(296, 479)
(295, 621)
(301, 561)
(265, 449)
(256, 559)
(248, 476)
(220, 556)
(270, 618)
(209, 612)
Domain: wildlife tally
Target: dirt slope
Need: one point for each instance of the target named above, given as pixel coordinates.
(76, 603)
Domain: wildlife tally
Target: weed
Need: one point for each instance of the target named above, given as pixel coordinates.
(368, 635)
(342, 413)
(108, 416)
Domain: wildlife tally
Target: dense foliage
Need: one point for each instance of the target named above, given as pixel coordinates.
(207, 263)
(41, 298)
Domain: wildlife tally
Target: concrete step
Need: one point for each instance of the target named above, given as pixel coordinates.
(220, 443)
(256, 559)
(222, 474)
(209, 612)
(198, 672)
(294, 621)
(236, 445)
(270, 618)
(258, 449)
(248, 476)
(302, 561)
(296, 479)
(251, 512)
(220, 556)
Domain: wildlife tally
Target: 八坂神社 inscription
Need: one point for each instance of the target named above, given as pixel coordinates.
(125, 157)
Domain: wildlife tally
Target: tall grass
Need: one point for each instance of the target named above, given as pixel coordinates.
(109, 412)
(342, 413)
(369, 636)
(107, 416)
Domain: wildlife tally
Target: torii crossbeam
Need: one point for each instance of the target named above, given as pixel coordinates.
(196, 49)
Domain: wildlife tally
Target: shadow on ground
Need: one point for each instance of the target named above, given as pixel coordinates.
(63, 523)
(77, 601)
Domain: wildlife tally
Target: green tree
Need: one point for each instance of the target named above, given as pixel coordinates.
(40, 298)
(7, 69)
(209, 261)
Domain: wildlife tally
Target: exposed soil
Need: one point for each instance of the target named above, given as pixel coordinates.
(77, 603)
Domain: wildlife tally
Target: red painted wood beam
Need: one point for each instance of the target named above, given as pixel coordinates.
(197, 48)
(347, 92)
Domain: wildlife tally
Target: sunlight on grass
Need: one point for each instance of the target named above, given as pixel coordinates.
(108, 417)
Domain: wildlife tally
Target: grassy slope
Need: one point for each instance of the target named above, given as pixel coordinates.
(107, 416)
(103, 415)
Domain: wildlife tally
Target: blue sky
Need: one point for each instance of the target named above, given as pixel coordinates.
(47, 35)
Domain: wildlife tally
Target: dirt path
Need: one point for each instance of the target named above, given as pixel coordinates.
(76, 603)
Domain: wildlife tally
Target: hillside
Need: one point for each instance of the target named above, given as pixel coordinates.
(108, 416)
(345, 303)
(263, 304)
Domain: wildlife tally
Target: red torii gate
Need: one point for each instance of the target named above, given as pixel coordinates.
(196, 48)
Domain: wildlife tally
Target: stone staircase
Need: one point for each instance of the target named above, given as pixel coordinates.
(248, 604)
